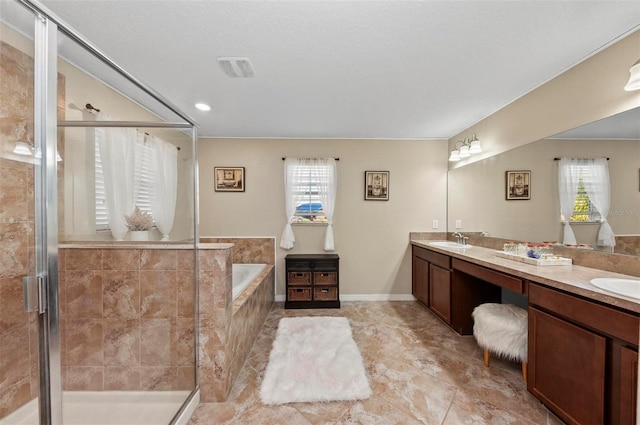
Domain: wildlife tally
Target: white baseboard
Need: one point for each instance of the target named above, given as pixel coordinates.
(365, 297)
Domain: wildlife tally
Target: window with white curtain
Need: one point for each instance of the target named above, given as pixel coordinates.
(584, 211)
(309, 208)
(144, 172)
(310, 186)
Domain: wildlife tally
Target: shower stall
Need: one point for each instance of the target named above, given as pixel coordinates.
(96, 326)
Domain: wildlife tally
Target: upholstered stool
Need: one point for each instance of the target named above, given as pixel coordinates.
(502, 330)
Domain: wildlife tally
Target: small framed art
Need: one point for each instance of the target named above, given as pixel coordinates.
(376, 185)
(229, 179)
(518, 185)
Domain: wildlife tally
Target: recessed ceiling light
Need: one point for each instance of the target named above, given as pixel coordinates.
(203, 106)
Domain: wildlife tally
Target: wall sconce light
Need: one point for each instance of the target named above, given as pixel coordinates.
(464, 149)
(23, 148)
(634, 78)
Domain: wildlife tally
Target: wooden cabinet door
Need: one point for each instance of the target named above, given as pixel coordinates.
(567, 368)
(628, 385)
(420, 280)
(440, 292)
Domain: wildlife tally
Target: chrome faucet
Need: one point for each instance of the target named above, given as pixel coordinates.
(485, 233)
(462, 239)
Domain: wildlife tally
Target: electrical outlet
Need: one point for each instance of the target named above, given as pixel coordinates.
(434, 224)
(458, 224)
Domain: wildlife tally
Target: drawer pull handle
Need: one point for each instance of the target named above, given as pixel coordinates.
(299, 274)
(325, 290)
(324, 274)
(299, 290)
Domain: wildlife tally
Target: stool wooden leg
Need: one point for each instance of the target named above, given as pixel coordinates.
(486, 357)
(524, 371)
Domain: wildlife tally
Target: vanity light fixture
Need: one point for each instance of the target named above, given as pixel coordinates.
(464, 149)
(474, 146)
(634, 78)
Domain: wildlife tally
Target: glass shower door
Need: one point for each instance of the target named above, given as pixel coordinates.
(19, 377)
(28, 269)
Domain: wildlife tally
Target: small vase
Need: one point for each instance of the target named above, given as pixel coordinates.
(139, 235)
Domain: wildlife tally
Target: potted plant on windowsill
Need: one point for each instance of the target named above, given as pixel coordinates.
(139, 223)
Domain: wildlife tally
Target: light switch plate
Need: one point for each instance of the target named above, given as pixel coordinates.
(458, 224)
(434, 224)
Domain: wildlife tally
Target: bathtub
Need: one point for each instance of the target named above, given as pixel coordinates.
(242, 275)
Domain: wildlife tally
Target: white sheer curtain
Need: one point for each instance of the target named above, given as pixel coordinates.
(598, 188)
(568, 180)
(165, 184)
(118, 154)
(327, 187)
(293, 171)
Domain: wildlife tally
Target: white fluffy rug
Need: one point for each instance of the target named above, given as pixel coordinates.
(314, 359)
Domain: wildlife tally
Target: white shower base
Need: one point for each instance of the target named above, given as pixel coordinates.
(109, 408)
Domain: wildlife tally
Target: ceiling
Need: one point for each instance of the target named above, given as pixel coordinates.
(347, 69)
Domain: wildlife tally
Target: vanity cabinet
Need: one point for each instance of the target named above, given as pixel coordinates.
(312, 281)
(431, 281)
(440, 292)
(582, 357)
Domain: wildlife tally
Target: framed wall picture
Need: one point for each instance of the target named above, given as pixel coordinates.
(376, 185)
(229, 179)
(518, 185)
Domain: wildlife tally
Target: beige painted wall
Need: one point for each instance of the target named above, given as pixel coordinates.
(371, 237)
(590, 91)
(480, 202)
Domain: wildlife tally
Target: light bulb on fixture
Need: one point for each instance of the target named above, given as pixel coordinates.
(464, 151)
(455, 155)
(634, 78)
(475, 147)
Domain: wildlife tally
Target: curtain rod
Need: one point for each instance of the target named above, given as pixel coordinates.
(337, 159)
(558, 159)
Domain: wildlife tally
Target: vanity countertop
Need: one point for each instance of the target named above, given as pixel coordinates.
(572, 278)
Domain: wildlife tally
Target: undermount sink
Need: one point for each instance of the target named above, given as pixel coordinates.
(626, 287)
(449, 244)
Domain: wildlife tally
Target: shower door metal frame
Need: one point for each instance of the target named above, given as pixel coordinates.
(46, 218)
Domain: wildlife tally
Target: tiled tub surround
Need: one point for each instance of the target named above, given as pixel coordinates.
(127, 317)
(228, 328)
(248, 250)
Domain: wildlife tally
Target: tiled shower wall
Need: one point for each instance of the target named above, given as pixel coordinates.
(18, 348)
(127, 318)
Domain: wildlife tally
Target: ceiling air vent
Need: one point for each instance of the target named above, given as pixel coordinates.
(237, 67)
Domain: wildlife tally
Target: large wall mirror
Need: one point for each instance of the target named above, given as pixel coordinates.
(477, 192)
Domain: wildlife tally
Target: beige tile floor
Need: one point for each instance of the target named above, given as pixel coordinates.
(420, 371)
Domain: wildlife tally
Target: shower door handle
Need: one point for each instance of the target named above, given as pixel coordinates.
(35, 294)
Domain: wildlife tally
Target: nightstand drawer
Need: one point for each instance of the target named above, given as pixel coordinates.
(299, 278)
(325, 293)
(330, 278)
(299, 294)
